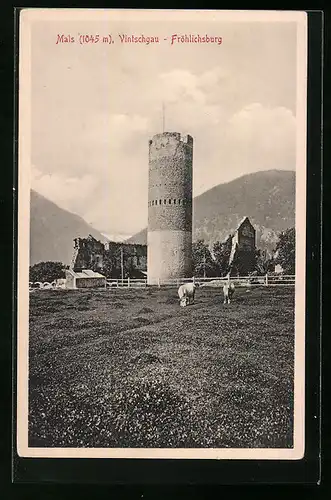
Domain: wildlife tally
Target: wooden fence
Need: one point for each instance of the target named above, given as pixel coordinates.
(126, 283)
(239, 281)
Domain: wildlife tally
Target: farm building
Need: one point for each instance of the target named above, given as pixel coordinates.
(84, 279)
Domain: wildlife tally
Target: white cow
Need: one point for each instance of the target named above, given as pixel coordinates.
(186, 294)
(228, 291)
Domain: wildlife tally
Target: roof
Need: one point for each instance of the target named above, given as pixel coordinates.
(231, 235)
(242, 221)
(86, 273)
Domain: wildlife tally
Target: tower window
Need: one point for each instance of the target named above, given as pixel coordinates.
(175, 201)
(178, 202)
(160, 202)
(164, 201)
(153, 202)
(169, 202)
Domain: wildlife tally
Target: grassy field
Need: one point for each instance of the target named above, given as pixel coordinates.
(130, 368)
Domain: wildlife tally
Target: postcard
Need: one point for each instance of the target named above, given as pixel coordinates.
(161, 234)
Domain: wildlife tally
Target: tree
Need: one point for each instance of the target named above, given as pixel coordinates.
(121, 261)
(244, 262)
(108, 264)
(203, 262)
(222, 252)
(47, 271)
(285, 251)
(264, 262)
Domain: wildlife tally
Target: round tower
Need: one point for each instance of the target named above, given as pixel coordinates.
(169, 239)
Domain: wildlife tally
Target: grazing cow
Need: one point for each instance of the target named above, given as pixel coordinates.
(228, 291)
(186, 294)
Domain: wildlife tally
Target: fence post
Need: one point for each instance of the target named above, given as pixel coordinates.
(228, 278)
(117, 283)
(266, 279)
(158, 282)
(128, 282)
(193, 279)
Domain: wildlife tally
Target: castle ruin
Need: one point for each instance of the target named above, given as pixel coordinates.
(112, 259)
(243, 248)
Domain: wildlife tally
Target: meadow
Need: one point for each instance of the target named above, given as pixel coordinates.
(130, 368)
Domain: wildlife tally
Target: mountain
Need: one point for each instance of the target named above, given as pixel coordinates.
(118, 238)
(52, 231)
(139, 238)
(267, 198)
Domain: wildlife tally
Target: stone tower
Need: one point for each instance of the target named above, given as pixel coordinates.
(169, 239)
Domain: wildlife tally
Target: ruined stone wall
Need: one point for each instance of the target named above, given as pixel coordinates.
(170, 206)
(134, 257)
(246, 236)
(90, 253)
(243, 255)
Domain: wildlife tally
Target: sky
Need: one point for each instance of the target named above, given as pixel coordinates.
(95, 106)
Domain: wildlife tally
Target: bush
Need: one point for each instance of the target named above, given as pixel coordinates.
(285, 251)
(47, 271)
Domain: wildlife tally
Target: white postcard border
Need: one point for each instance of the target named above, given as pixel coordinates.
(27, 17)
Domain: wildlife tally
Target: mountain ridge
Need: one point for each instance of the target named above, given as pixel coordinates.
(52, 230)
(267, 198)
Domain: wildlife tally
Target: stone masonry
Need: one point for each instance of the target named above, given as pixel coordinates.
(170, 207)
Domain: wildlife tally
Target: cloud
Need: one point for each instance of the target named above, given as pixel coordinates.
(180, 85)
(121, 202)
(261, 138)
(90, 133)
(256, 116)
(69, 192)
(106, 180)
(121, 164)
(211, 79)
(116, 131)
